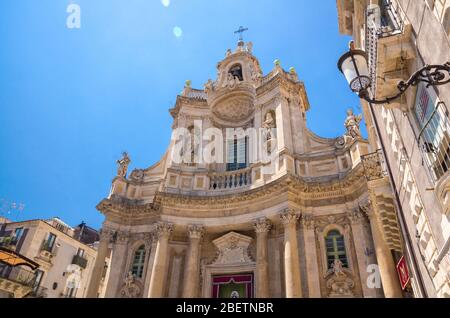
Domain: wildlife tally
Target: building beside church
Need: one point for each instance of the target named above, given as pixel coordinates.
(248, 202)
(399, 38)
(63, 258)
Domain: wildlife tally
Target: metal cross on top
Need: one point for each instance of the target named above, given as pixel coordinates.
(240, 31)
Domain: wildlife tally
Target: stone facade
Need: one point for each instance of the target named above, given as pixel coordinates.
(400, 37)
(176, 229)
(65, 263)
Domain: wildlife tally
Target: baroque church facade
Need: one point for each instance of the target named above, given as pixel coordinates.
(299, 224)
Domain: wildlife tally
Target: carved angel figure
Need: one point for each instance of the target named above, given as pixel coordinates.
(123, 165)
(352, 124)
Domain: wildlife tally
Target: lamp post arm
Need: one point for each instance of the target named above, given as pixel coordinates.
(433, 75)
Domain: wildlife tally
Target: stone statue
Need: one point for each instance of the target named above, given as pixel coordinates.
(352, 124)
(250, 47)
(338, 268)
(123, 165)
(130, 288)
(129, 280)
(339, 281)
(209, 86)
(231, 81)
(269, 124)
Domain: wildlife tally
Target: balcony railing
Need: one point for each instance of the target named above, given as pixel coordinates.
(374, 167)
(80, 261)
(434, 142)
(8, 241)
(38, 292)
(381, 21)
(47, 247)
(230, 180)
(18, 275)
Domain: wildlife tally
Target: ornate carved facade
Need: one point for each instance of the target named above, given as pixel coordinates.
(291, 226)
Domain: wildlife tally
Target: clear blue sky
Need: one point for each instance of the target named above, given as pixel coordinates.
(72, 100)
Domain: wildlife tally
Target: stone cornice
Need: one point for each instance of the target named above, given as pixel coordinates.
(300, 191)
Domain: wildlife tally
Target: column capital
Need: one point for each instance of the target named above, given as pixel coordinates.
(196, 231)
(355, 216)
(307, 221)
(122, 237)
(262, 225)
(106, 234)
(289, 217)
(163, 230)
(367, 208)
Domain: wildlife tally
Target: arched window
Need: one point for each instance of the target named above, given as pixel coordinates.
(137, 268)
(236, 71)
(335, 246)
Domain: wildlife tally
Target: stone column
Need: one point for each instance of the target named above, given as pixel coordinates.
(386, 265)
(262, 228)
(99, 266)
(117, 271)
(192, 269)
(291, 260)
(312, 266)
(359, 238)
(151, 248)
(159, 271)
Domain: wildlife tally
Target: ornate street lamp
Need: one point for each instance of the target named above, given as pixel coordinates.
(354, 66)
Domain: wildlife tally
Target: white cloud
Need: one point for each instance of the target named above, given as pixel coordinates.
(165, 3)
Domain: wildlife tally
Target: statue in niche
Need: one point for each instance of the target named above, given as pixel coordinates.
(352, 124)
(231, 80)
(123, 165)
(269, 124)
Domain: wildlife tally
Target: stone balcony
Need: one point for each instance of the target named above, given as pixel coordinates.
(390, 49)
(17, 281)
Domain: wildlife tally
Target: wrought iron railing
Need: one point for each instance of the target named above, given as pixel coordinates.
(38, 292)
(374, 166)
(47, 246)
(18, 274)
(390, 19)
(434, 142)
(382, 21)
(80, 261)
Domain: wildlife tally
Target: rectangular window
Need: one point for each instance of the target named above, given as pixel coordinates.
(38, 274)
(17, 235)
(434, 139)
(80, 252)
(237, 154)
(49, 242)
